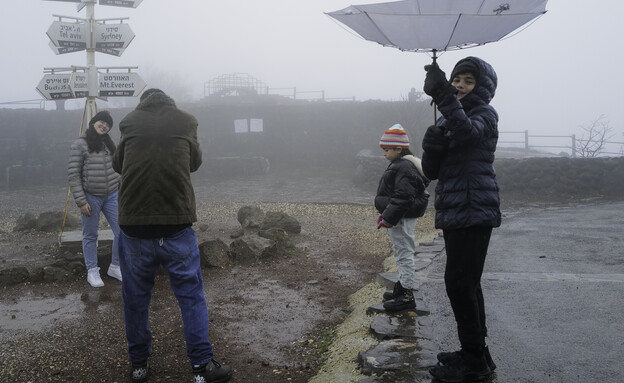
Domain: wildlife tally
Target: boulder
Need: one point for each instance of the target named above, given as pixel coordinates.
(280, 220)
(250, 217)
(56, 274)
(13, 276)
(253, 247)
(49, 221)
(214, 253)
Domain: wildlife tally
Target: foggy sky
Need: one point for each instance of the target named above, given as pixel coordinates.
(562, 72)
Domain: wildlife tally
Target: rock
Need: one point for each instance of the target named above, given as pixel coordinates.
(13, 276)
(241, 252)
(47, 222)
(250, 217)
(252, 247)
(397, 355)
(56, 274)
(214, 253)
(26, 222)
(280, 220)
(405, 326)
(281, 238)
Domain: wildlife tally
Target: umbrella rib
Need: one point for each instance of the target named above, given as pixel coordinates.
(453, 31)
(380, 31)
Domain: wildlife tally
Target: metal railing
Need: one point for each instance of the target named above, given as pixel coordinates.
(529, 142)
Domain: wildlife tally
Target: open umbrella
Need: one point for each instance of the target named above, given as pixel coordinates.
(438, 25)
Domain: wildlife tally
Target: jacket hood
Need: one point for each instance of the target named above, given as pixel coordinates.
(487, 81)
(157, 99)
(416, 161)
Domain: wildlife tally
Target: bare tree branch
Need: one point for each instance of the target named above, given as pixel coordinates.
(594, 138)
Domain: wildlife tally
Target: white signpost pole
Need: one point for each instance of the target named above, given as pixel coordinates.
(92, 75)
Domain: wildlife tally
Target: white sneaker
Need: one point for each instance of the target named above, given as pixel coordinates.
(114, 271)
(93, 277)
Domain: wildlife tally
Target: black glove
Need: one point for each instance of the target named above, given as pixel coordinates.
(434, 140)
(436, 84)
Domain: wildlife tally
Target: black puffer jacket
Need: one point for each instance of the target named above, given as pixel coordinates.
(467, 193)
(401, 191)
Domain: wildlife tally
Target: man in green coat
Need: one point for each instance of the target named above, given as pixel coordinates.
(156, 154)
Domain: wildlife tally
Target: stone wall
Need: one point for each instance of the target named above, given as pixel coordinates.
(532, 179)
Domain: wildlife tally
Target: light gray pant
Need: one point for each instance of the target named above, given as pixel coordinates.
(404, 245)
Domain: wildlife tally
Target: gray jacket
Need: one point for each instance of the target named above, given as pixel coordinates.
(90, 172)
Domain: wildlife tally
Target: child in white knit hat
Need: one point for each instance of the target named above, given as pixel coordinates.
(401, 199)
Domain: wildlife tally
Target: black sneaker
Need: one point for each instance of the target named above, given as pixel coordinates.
(451, 357)
(139, 371)
(405, 301)
(212, 372)
(462, 369)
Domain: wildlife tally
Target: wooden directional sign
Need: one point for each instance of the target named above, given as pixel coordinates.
(121, 3)
(112, 38)
(55, 86)
(120, 84)
(69, 35)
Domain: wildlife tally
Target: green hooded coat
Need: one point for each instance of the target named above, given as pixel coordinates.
(157, 152)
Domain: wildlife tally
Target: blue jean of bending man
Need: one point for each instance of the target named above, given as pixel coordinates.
(140, 259)
(403, 241)
(108, 206)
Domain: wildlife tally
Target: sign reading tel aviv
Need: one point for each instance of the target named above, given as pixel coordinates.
(74, 36)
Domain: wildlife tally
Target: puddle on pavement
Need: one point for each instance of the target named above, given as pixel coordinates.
(32, 313)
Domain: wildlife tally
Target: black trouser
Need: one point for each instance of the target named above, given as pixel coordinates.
(466, 249)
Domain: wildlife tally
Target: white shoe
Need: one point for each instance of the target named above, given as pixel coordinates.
(93, 277)
(114, 271)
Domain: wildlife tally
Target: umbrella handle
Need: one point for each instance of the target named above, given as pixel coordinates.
(435, 109)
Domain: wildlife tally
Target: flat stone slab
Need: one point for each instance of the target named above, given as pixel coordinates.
(404, 326)
(74, 238)
(420, 310)
(434, 248)
(397, 355)
(409, 376)
(421, 265)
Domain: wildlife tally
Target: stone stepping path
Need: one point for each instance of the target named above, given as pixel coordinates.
(406, 350)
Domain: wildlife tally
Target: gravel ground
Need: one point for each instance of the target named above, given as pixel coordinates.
(283, 320)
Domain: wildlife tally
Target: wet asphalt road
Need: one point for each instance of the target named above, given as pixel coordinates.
(554, 287)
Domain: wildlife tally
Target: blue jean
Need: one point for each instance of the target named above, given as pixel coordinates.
(404, 245)
(108, 206)
(140, 260)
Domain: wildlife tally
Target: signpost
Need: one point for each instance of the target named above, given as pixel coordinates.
(74, 35)
(70, 34)
(116, 3)
(112, 38)
(55, 86)
(120, 84)
(122, 3)
(79, 84)
(91, 35)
